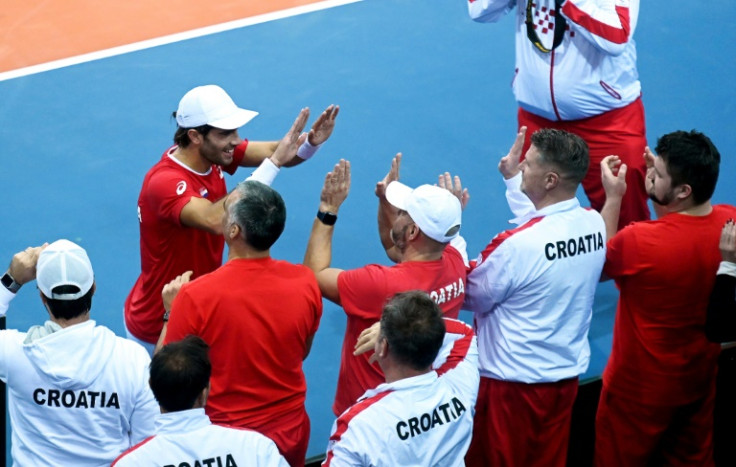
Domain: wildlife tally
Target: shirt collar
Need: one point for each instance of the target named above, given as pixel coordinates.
(561, 206)
(182, 421)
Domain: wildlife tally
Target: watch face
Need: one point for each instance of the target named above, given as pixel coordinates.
(9, 283)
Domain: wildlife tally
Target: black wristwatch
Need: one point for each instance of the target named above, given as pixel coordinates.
(327, 218)
(167, 313)
(9, 283)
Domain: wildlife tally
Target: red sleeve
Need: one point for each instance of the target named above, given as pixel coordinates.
(363, 291)
(168, 192)
(238, 155)
(317, 304)
(460, 347)
(621, 254)
(182, 318)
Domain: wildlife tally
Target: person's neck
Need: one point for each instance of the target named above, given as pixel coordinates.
(65, 323)
(191, 157)
(690, 209)
(552, 198)
(242, 251)
(417, 251)
(402, 372)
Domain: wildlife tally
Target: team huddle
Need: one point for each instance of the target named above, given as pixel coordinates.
(211, 370)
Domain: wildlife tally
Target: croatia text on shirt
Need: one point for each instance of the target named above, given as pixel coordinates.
(219, 461)
(448, 292)
(573, 246)
(444, 413)
(76, 399)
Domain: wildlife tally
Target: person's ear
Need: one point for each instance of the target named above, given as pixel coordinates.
(195, 137)
(551, 180)
(233, 231)
(683, 191)
(412, 231)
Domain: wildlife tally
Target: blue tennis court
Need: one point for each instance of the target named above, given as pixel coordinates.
(410, 76)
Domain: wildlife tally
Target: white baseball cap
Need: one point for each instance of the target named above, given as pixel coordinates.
(64, 263)
(211, 105)
(435, 210)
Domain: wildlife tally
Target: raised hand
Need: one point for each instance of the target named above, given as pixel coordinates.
(323, 126)
(23, 265)
(290, 142)
(613, 177)
(171, 289)
(367, 341)
(509, 164)
(391, 176)
(336, 187)
(454, 186)
(649, 161)
(728, 242)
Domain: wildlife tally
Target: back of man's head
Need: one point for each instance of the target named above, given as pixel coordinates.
(260, 212)
(413, 326)
(65, 277)
(566, 152)
(180, 371)
(691, 159)
(436, 211)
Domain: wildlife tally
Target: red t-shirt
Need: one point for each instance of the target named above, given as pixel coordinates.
(169, 248)
(665, 270)
(257, 316)
(364, 292)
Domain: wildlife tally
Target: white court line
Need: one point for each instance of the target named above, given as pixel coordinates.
(147, 44)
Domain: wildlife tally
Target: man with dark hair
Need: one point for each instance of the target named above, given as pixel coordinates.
(246, 311)
(420, 231)
(423, 413)
(656, 406)
(532, 292)
(180, 380)
(77, 394)
(180, 207)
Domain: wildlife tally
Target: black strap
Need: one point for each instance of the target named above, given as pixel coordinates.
(560, 24)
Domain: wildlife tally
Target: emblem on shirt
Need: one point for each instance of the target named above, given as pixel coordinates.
(181, 187)
(203, 192)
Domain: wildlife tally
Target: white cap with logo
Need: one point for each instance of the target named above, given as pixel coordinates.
(436, 211)
(211, 105)
(64, 263)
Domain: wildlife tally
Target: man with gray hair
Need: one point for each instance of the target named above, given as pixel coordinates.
(77, 394)
(245, 311)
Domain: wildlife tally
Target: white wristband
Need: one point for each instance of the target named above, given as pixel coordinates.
(307, 150)
(265, 173)
(5, 297)
(727, 267)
